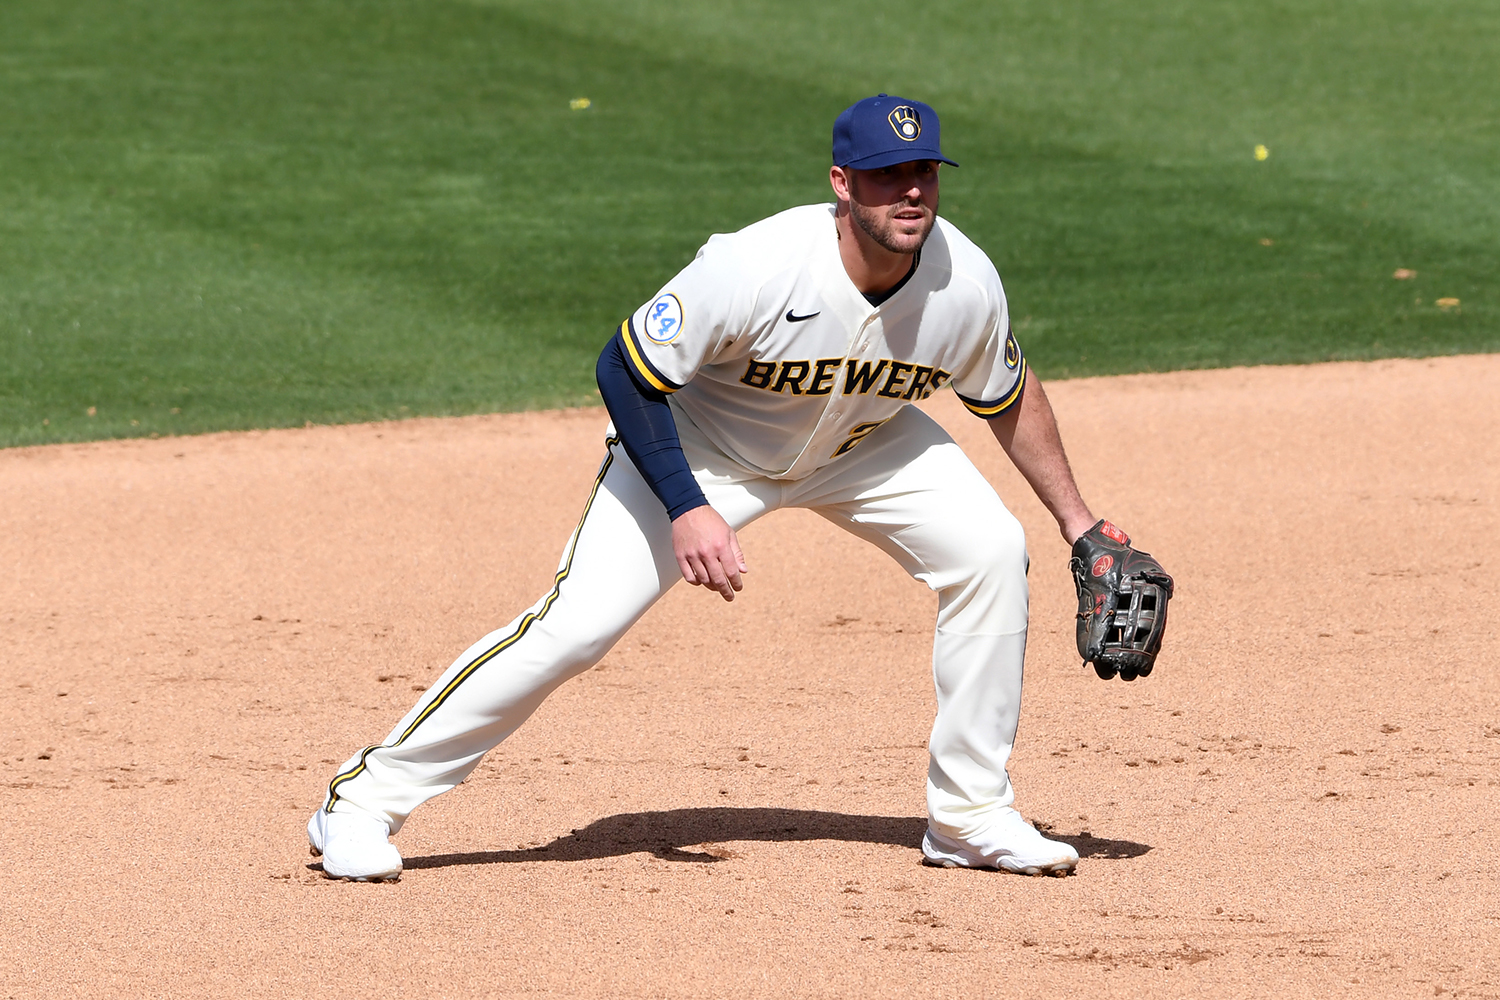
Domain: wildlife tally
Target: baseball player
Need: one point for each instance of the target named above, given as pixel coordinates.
(777, 370)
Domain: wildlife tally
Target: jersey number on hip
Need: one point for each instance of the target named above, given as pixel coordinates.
(858, 434)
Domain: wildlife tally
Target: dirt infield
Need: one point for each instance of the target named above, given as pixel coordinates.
(1303, 800)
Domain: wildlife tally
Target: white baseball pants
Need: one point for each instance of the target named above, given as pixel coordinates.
(907, 488)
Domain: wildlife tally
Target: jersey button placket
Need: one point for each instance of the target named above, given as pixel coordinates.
(835, 410)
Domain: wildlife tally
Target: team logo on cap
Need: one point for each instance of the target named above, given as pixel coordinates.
(905, 121)
(664, 319)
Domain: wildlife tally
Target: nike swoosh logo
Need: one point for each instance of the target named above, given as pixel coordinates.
(790, 318)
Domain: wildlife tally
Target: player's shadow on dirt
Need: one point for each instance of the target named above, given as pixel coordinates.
(1089, 846)
(668, 834)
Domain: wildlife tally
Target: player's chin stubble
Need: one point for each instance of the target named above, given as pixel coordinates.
(884, 230)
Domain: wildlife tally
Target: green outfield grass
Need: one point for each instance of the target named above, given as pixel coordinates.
(259, 213)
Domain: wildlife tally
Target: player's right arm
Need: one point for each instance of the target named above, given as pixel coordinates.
(656, 352)
(707, 550)
(646, 428)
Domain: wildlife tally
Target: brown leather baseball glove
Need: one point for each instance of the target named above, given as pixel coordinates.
(1122, 603)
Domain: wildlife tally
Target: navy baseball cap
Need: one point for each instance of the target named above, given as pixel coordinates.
(882, 130)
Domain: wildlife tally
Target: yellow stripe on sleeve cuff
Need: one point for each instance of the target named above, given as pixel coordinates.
(1011, 398)
(642, 368)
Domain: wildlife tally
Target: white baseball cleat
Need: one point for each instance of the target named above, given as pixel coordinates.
(353, 847)
(1011, 845)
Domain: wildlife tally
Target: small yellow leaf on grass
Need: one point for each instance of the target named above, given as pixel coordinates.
(93, 410)
(580, 103)
(1266, 241)
(1404, 274)
(1446, 304)
(1261, 152)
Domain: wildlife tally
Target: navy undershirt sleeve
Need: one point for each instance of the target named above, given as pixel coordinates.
(643, 420)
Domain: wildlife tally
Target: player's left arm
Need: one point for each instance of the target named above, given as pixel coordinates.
(1123, 593)
(1028, 433)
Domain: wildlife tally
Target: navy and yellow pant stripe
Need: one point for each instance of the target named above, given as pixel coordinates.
(489, 654)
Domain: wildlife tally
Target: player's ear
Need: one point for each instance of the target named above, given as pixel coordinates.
(841, 181)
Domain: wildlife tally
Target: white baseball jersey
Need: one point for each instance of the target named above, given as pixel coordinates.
(769, 349)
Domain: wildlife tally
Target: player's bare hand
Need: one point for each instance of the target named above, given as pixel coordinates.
(708, 551)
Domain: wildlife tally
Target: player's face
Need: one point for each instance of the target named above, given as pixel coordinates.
(896, 205)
